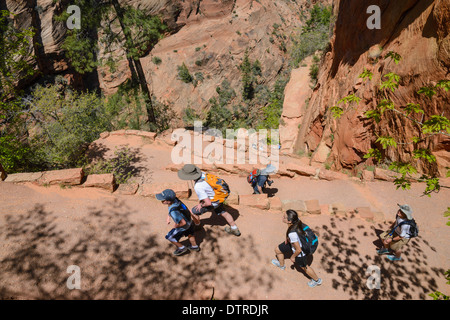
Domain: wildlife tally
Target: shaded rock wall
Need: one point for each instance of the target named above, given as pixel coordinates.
(416, 29)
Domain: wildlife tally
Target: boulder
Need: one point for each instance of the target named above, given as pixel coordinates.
(181, 189)
(332, 175)
(313, 207)
(149, 135)
(297, 205)
(23, 177)
(302, 170)
(338, 209)
(385, 175)
(367, 175)
(104, 181)
(260, 201)
(233, 198)
(67, 177)
(127, 188)
(275, 204)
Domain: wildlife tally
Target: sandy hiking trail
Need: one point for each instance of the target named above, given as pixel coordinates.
(118, 242)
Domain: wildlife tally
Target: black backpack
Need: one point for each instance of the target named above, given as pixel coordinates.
(184, 211)
(413, 228)
(309, 240)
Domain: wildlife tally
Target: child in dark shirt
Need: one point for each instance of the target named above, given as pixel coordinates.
(181, 216)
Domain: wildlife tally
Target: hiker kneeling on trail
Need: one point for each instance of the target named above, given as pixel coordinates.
(181, 216)
(300, 242)
(401, 231)
(211, 192)
(259, 178)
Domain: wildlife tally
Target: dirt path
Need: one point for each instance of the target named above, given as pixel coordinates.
(118, 243)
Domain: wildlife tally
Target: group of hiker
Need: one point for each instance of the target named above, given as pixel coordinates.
(300, 241)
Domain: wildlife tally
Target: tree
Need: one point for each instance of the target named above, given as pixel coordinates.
(434, 125)
(123, 26)
(14, 66)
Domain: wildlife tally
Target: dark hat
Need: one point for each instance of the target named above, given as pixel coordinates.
(167, 194)
(189, 172)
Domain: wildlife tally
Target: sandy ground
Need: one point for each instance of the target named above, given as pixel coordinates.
(118, 242)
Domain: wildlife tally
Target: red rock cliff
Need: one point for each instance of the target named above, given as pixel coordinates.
(418, 30)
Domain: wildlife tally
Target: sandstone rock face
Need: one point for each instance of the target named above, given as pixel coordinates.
(297, 93)
(418, 30)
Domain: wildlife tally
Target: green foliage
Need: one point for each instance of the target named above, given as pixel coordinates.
(64, 122)
(366, 74)
(247, 79)
(436, 124)
(156, 60)
(314, 36)
(337, 111)
(15, 65)
(394, 56)
(119, 165)
(447, 214)
(391, 83)
(183, 74)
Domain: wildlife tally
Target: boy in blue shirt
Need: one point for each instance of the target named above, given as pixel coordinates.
(181, 216)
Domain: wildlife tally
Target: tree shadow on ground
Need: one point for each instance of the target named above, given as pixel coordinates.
(120, 257)
(346, 264)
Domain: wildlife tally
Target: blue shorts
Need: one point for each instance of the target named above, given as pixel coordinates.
(175, 234)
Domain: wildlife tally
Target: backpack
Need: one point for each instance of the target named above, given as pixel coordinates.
(220, 187)
(252, 176)
(413, 228)
(184, 211)
(309, 241)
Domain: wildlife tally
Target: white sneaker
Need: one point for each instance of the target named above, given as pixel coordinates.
(312, 283)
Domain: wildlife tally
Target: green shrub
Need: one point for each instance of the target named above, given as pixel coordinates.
(183, 74)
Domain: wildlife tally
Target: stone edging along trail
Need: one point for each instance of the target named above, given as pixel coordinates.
(290, 168)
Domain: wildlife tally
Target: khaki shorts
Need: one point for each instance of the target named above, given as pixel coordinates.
(394, 245)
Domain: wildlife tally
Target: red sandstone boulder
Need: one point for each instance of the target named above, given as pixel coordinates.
(67, 177)
(104, 181)
(259, 201)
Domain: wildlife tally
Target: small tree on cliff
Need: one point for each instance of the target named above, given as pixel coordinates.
(14, 67)
(435, 125)
(123, 26)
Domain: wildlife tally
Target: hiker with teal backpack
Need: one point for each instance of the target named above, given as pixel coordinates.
(399, 234)
(181, 216)
(300, 242)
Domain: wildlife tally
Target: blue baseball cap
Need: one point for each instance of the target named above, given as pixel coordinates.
(167, 194)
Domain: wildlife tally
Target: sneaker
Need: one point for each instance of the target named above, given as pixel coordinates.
(382, 251)
(194, 249)
(393, 258)
(312, 283)
(236, 231)
(179, 251)
(276, 263)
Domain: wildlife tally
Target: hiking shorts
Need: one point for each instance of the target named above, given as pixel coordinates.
(216, 207)
(301, 261)
(175, 234)
(394, 245)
